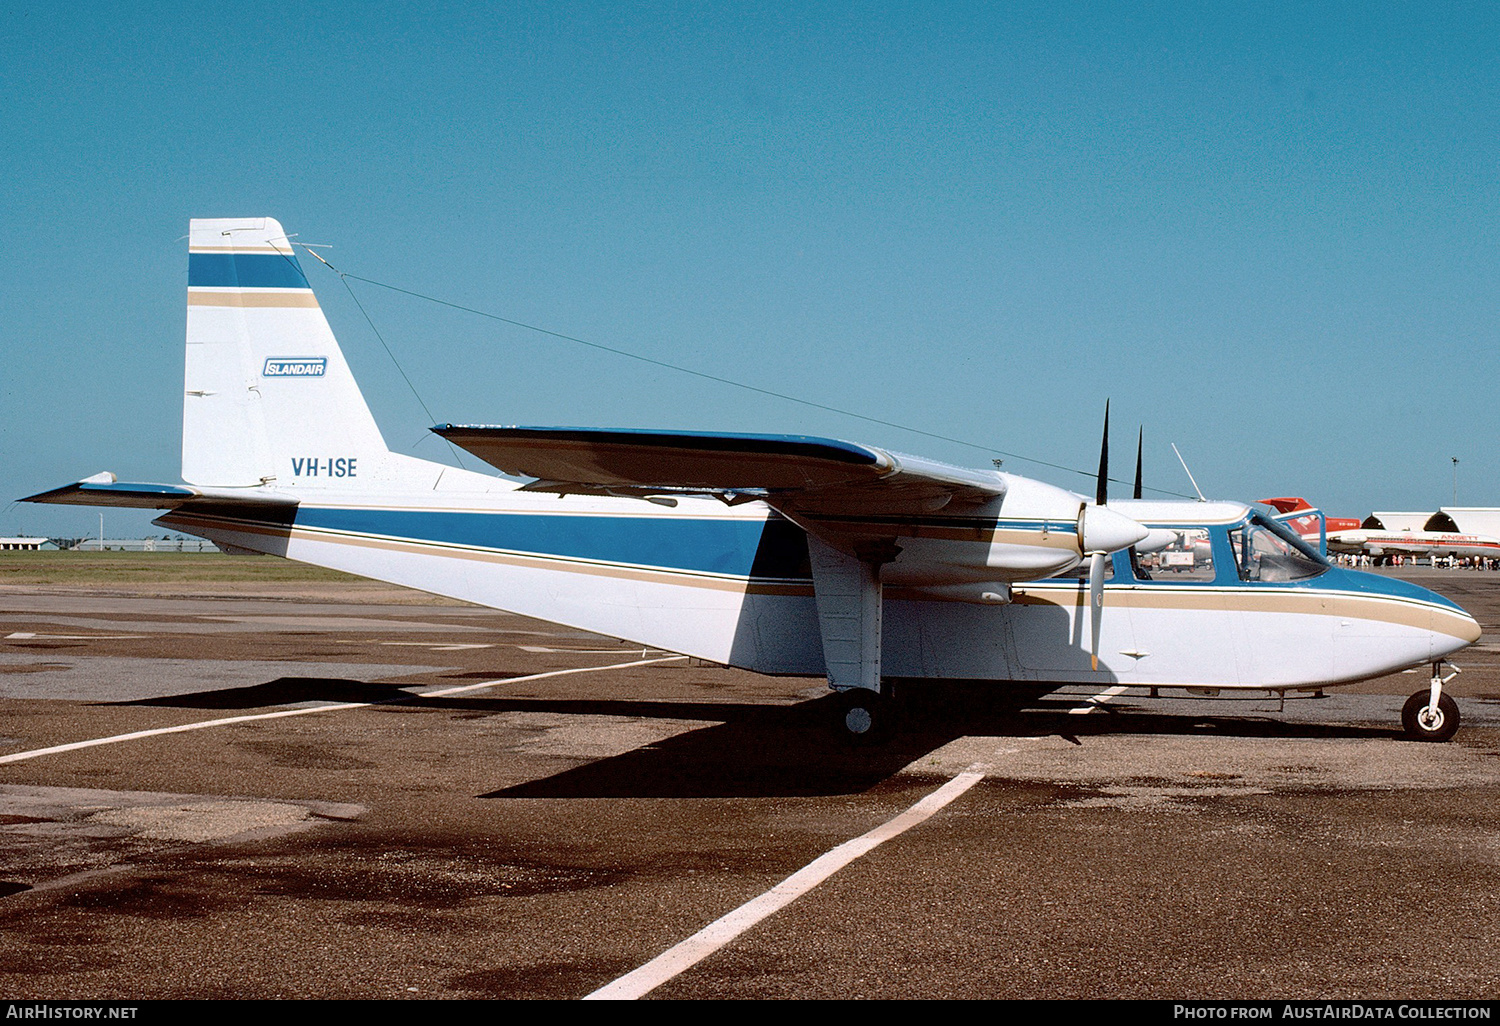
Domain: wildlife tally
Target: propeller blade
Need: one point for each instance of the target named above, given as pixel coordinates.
(1103, 460)
(1096, 604)
(1140, 444)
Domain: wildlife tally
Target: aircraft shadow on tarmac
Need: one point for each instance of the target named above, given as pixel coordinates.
(282, 691)
(774, 750)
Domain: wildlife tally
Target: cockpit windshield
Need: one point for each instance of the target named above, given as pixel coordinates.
(1265, 550)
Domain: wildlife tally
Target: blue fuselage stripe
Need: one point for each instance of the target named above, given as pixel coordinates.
(773, 549)
(742, 548)
(245, 270)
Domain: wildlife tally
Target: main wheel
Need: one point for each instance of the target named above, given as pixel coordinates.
(1422, 726)
(864, 716)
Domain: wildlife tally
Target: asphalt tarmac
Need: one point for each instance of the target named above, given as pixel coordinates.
(381, 799)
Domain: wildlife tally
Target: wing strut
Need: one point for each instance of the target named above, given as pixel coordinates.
(847, 590)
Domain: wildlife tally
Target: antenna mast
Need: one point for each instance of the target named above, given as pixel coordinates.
(1189, 473)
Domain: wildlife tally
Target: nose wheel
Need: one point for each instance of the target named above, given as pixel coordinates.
(1431, 715)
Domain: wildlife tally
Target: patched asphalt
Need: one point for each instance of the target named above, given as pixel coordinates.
(542, 835)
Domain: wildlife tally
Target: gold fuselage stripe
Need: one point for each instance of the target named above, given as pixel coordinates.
(1249, 599)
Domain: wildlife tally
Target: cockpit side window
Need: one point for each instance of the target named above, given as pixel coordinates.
(1265, 551)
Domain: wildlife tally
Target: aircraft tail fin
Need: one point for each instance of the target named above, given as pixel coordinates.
(269, 396)
(1303, 517)
(1287, 504)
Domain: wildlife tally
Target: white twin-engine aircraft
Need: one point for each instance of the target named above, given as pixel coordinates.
(778, 554)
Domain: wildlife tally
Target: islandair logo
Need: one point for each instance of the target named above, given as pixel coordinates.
(295, 367)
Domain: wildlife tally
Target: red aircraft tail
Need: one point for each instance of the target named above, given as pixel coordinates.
(1308, 525)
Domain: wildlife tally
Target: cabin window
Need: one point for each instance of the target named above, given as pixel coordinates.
(1264, 553)
(1188, 557)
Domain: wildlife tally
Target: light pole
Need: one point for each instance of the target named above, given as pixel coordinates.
(1455, 480)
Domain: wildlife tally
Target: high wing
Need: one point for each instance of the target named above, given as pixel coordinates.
(795, 474)
(872, 517)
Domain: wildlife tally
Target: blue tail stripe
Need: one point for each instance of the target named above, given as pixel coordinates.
(245, 270)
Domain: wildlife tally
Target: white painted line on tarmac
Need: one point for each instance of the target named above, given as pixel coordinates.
(460, 689)
(720, 932)
(334, 707)
(579, 651)
(28, 636)
(1096, 701)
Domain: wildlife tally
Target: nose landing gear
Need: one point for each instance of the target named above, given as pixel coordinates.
(1431, 715)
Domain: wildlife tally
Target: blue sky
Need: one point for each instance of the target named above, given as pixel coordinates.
(1267, 233)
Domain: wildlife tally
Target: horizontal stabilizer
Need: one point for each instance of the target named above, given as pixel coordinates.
(103, 490)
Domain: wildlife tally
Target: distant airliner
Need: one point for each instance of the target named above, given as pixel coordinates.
(1412, 543)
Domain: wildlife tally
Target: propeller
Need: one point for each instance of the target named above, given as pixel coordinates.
(1101, 490)
(1096, 557)
(1100, 532)
(1096, 604)
(1157, 539)
(1140, 443)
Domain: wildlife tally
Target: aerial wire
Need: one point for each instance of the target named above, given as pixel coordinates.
(402, 370)
(703, 375)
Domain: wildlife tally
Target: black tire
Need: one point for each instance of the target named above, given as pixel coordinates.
(1419, 728)
(864, 716)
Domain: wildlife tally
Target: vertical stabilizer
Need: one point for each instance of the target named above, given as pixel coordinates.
(268, 394)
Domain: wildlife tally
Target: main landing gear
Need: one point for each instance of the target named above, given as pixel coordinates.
(1431, 715)
(865, 716)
